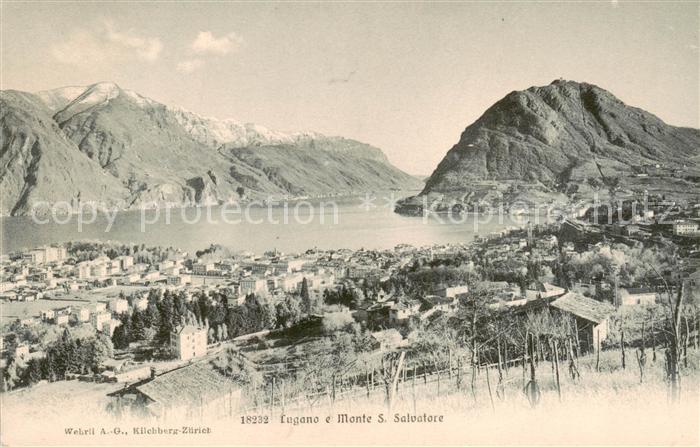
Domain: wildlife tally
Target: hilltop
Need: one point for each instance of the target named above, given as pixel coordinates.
(114, 146)
(562, 141)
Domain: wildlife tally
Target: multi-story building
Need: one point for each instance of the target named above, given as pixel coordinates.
(289, 265)
(99, 319)
(98, 270)
(289, 283)
(202, 269)
(165, 265)
(82, 314)
(189, 342)
(685, 227)
(179, 280)
(253, 285)
(119, 306)
(84, 271)
(45, 255)
(261, 268)
(171, 271)
(126, 262)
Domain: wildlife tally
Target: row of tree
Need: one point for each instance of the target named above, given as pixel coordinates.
(67, 355)
(170, 310)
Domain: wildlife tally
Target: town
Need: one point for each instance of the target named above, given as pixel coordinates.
(225, 329)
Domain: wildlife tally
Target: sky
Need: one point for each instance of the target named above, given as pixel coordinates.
(405, 77)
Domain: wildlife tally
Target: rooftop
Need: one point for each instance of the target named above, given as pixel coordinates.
(583, 307)
(186, 386)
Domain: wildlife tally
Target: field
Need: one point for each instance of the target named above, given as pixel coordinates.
(11, 311)
(104, 294)
(606, 407)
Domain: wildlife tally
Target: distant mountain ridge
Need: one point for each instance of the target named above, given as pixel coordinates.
(111, 145)
(563, 139)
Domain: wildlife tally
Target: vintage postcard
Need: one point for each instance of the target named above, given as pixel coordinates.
(349, 223)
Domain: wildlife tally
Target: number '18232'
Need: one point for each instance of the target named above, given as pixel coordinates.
(255, 419)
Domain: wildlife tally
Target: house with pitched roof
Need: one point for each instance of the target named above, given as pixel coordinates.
(591, 318)
(194, 391)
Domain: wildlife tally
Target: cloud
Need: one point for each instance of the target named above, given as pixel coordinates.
(207, 43)
(146, 48)
(190, 65)
(105, 43)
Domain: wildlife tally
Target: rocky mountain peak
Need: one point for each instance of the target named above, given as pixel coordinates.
(560, 138)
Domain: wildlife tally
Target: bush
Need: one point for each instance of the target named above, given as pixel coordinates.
(337, 321)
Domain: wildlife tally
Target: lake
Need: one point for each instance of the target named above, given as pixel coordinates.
(349, 222)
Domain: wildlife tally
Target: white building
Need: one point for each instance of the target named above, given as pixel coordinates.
(253, 285)
(635, 296)
(98, 270)
(202, 269)
(84, 270)
(289, 283)
(126, 262)
(189, 342)
(685, 227)
(45, 255)
(451, 292)
(99, 319)
(119, 306)
(131, 278)
(82, 314)
(165, 265)
(110, 325)
(289, 265)
(171, 271)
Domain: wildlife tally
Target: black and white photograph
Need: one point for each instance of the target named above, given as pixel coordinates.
(349, 223)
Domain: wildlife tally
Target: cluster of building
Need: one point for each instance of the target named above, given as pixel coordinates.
(49, 272)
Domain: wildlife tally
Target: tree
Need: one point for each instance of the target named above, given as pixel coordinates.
(35, 371)
(102, 349)
(10, 377)
(138, 326)
(305, 297)
(151, 317)
(237, 368)
(478, 329)
(288, 312)
(336, 321)
(166, 326)
(120, 337)
(179, 311)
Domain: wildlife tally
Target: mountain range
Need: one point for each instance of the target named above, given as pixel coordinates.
(111, 145)
(559, 142)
